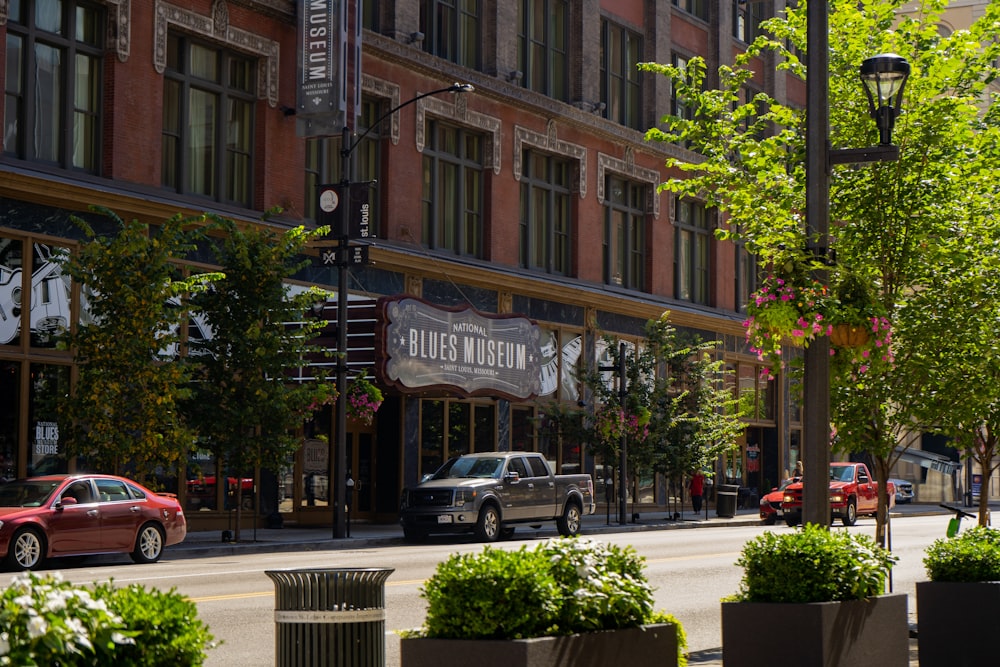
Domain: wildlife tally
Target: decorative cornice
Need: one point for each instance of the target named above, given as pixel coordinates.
(627, 167)
(459, 113)
(4, 11)
(216, 28)
(550, 143)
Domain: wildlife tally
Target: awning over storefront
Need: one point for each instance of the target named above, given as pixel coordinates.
(937, 462)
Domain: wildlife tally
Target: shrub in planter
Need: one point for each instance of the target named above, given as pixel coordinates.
(824, 590)
(812, 565)
(45, 620)
(964, 573)
(164, 624)
(970, 556)
(560, 587)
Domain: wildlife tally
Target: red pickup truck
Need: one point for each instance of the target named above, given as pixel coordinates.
(853, 493)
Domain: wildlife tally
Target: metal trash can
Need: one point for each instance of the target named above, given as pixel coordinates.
(725, 502)
(329, 616)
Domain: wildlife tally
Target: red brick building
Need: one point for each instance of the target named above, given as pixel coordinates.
(534, 195)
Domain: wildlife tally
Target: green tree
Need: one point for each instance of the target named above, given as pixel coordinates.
(891, 218)
(124, 409)
(243, 402)
(677, 415)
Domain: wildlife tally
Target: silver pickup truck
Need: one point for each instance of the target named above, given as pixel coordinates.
(488, 492)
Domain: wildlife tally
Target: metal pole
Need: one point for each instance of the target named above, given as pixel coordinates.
(623, 454)
(343, 276)
(816, 429)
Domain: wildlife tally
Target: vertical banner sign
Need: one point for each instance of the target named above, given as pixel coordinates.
(320, 95)
(360, 220)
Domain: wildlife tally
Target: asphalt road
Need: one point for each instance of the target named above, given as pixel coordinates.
(690, 569)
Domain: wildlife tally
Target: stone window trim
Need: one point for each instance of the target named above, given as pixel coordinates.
(216, 28)
(626, 167)
(550, 143)
(390, 93)
(457, 112)
(119, 28)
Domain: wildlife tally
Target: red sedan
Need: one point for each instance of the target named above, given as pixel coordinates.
(77, 515)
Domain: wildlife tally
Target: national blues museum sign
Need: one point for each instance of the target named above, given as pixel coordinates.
(422, 347)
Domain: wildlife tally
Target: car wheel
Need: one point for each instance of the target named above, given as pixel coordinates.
(791, 521)
(569, 523)
(488, 524)
(851, 517)
(26, 550)
(771, 519)
(414, 535)
(149, 544)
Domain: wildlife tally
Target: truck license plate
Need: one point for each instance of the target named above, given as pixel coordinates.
(444, 518)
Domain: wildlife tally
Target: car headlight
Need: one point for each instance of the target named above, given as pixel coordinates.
(788, 498)
(836, 498)
(463, 496)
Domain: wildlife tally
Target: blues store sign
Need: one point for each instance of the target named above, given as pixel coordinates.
(423, 347)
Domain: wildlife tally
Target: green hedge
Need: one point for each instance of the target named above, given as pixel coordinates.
(559, 587)
(973, 555)
(812, 565)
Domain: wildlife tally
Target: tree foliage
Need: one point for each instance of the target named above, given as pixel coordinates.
(678, 413)
(125, 409)
(243, 403)
(894, 224)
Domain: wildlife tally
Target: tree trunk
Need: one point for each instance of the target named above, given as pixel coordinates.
(881, 473)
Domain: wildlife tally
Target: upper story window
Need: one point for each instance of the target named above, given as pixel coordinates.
(369, 15)
(621, 92)
(697, 7)
(52, 102)
(543, 42)
(746, 275)
(546, 217)
(452, 201)
(625, 234)
(208, 108)
(323, 161)
(692, 252)
(452, 30)
(747, 17)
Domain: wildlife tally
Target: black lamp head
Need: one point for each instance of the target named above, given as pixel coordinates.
(885, 77)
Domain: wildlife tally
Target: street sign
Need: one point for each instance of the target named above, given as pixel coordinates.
(344, 255)
(328, 199)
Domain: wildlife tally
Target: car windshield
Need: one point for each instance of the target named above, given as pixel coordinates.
(26, 493)
(842, 473)
(471, 467)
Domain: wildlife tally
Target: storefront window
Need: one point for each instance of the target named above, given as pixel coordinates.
(49, 299)
(459, 428)
(485, 427)
(11, 264)
(522, 429)
(10, 399)
(201, 469)
(315, 473)
(431, 436)
(46, 453)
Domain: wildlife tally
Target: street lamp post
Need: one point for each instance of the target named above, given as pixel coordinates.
(343, 260)
(884, 77)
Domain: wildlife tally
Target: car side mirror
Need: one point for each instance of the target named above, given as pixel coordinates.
(512, 477)
(67, 500)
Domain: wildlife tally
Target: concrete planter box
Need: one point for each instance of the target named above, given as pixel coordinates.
(648, 645)
(854, 633)
(956, 623)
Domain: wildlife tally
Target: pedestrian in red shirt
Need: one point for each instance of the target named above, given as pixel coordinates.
(697, 489)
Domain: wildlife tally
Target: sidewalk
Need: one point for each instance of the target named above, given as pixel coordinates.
(318, 538)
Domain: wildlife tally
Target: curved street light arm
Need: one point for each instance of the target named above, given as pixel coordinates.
(351, 145)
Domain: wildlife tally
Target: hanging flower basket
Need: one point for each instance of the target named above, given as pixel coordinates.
(849, 335)
(363, 400)
(795, 310)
